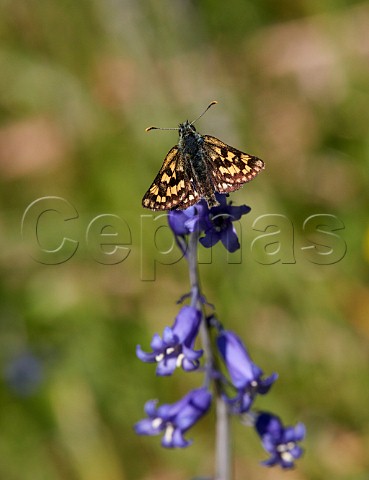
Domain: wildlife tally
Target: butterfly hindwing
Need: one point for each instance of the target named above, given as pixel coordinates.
(171, 188)
(229, 167)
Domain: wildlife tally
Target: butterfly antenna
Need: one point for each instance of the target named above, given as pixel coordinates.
(176, 128)
(203, 113)
(159, 128)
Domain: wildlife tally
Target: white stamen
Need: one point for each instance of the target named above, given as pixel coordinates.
(285, 447)
(159, 357)
(156, 423)
(285, 451)
(179, 360)
(287, 457)
(168, 435)
(169, 350)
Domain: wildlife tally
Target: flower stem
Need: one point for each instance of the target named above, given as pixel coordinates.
(223, 448)
(223, 442)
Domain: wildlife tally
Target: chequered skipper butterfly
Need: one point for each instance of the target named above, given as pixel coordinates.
(196, 168)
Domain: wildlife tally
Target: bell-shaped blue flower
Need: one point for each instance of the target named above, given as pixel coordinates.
(220, 227)
(215, 223)
(246, 377)
(173, 420)
(175, 347)
(192, 219)
(279, 441)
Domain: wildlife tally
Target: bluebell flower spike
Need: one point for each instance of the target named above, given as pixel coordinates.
(241, 380)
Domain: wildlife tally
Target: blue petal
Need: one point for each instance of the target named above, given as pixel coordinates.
(211, 238)
(229, 239)
(296, 452)
(190, 365)
(242, 403)
(300, 431)
(271, 461)
(198, 403)
(222, 199)
(170, 412)
(179, 441)
(267, 423)
(237, 360)
(237, 212)
(145, 357)
(150, 408)
(157, 343)
(269, 443)
(264, 385)
(177, 221)
(192, 354)
(167, 366)
(145, 427)
(286, 464)
(186, 323)
(169, 338)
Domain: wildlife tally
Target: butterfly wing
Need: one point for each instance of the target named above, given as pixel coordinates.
(229, 167)
(172, 187)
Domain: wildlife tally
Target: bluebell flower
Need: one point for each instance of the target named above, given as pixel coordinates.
(192, 219)
(220, 227)
(175, 347)
(173, 420)
(215, 223)
(279, 441)
(24, 374)
(246, 377)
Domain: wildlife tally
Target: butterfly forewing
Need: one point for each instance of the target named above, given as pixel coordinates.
(230, 167)
(171, 188)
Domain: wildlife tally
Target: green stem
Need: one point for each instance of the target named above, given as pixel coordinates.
(222, 442)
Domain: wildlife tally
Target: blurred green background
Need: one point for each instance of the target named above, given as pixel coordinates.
(79, 82)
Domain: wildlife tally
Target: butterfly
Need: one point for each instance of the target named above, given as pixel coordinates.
(196, 168)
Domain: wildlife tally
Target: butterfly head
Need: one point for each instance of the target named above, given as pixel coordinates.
(186, 128)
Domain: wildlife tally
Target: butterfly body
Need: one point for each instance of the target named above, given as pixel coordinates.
(191, 149)
(196, 168)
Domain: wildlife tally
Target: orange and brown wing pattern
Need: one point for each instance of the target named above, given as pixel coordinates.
(171, 189)
(230, 167)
